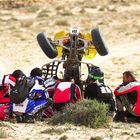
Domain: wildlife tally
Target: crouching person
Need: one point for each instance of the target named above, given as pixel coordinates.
(7, 82)
(66, 92)
(127, 97)
(36, 101)
(96, 89)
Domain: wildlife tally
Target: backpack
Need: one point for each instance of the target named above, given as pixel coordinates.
(21, 91)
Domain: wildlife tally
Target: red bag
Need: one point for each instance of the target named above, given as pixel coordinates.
(4, 112)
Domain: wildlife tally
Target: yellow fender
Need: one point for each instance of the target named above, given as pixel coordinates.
(90, 52)
(60, 35)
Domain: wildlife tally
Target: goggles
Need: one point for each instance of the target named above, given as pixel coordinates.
(93, 77)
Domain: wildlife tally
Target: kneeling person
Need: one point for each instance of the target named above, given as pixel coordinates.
(37, 100)
(96, 89)
(66, 92)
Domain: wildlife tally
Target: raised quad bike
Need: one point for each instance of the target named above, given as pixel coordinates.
(71, 48)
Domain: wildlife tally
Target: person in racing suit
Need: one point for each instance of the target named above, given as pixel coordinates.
(7, 82)
(66, 92)
(130, 88)
(97, 89)
(38, 99)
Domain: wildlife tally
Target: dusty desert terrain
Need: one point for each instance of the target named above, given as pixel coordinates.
(119, 21)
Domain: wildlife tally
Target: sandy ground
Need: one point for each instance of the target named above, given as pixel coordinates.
(42, 131)
(120, 24)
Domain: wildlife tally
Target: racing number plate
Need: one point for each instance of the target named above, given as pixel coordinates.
(74, 30)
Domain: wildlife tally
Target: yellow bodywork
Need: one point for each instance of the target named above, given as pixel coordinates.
(90, 52)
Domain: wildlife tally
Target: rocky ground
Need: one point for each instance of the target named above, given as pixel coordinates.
(120, 24)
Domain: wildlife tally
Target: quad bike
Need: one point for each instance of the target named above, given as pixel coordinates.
(70, 48)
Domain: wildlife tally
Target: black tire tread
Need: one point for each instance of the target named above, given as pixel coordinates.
(99, 42)
(48, 48)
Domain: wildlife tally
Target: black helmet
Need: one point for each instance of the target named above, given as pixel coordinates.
(95, 73)
(36, 72)
(17, 73)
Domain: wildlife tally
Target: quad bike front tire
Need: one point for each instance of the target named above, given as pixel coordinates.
(47, 46)
(99, 42)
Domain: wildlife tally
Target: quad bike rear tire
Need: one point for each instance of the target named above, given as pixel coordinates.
(48, 48)
(99, 42)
